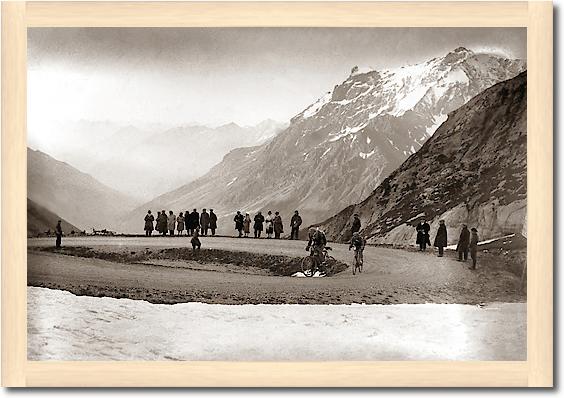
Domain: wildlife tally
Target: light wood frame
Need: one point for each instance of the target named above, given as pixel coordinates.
(537, 371)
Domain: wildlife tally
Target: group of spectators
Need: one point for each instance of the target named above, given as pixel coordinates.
(271, 223)
(467, 241)
(193, 223)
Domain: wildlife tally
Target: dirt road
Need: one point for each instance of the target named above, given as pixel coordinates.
(390, 276)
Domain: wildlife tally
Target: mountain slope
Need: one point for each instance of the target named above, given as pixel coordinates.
(75, 196)
(40, 220)
(473, 170)
(340, 148)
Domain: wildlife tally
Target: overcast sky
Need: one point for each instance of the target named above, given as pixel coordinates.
(218, 75)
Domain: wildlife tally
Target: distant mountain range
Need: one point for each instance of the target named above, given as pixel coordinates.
(339, 149)
(473, 170)
(146, 161)
(75, 196)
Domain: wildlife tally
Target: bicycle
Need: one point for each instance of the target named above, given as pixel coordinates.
(358, 260)
(323, 263)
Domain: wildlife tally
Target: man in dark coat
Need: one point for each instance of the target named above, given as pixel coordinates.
(238, 219)
(463, 243)
(149, 218)
(278, 225)
(355, 224)
(195, 217)
(423, 240)
(213, 222)
(163, 223)
(205, 222)
(441, 237)
(58, 234)
(258, 226)
(295, 223)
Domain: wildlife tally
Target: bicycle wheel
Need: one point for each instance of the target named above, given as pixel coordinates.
(308, 266)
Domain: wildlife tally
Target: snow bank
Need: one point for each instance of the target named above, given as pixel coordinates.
(62, 326)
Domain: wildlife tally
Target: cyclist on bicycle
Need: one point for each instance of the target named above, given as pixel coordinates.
(316, 243)
(358, 242)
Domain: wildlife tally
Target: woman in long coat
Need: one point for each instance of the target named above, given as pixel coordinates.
(278, 225)
(162, 222)
(441, 237)
(149, 218)
(171, 223)
(180, 223)
(247, 225)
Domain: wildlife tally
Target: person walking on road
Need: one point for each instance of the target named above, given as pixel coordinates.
(149, 218)
(463, 243)
(258, 226)
(247, 225)
(238, 219)
(278, 225)
(58, 235)
(295, 223)
(474, 247)
(213, 222)
(204, 222)
(441, 238)
(180, 223)
(195, 241)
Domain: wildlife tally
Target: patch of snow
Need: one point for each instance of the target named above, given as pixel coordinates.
(325, 153)
(347, 131)
(368, 140)
(62, 326)
(316, 106)
(437, 121)
(367, 155)
(232, 181)
(416, 217)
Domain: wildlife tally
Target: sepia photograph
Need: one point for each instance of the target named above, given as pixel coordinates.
(277, 194)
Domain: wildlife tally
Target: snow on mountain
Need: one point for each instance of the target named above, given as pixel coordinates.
(341, 147)
(473, 170)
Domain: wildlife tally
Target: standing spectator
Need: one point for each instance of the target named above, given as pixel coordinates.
(355, 224)
(180, 223)
(474, 247)
(247, 225)
(189, 223)
(171, 222)
(258, 226)
(238, 219)
(295, 223)
(163, 223)
(463, 243)
(204, 222)
(58, 234)
(278, 225)
(213, 222)
(423, 229)
(149, 218)
(195, 220)
(269, 225)
(441, 237)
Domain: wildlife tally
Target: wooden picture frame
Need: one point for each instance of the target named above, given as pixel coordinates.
(536, 16)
